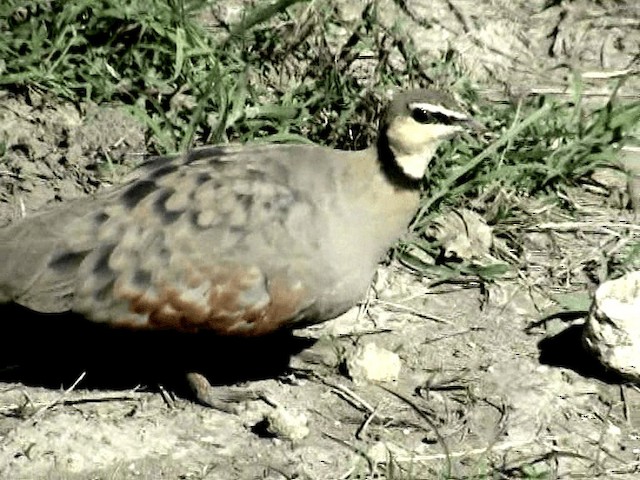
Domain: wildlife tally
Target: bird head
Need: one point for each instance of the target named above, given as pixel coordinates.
(415, 123)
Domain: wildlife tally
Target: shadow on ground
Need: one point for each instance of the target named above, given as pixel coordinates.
(566, 350)
(52, 350)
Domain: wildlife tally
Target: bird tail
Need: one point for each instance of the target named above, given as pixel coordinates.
(39, 258)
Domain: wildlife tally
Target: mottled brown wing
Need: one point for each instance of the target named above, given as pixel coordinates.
(210, 240)
(26, 247)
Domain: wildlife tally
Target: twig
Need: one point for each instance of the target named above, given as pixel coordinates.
(58, 399)
(353, 448)
(10, 409)
(625, 405)
(412, 311)
(587, 93)
(363, 428)
(432, 426)
(167, 397)
(603, 227)
(353, 398)
(607, 75)
(466, 453)
(454, 334)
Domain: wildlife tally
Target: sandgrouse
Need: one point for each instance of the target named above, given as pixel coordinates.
(241, 240)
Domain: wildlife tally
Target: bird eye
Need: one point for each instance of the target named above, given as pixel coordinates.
(422, 115)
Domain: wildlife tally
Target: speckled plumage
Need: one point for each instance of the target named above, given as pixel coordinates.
(238, 240)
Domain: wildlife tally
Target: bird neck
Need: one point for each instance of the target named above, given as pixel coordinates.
(390, 166)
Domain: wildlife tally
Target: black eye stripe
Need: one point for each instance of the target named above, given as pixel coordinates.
(421, 115)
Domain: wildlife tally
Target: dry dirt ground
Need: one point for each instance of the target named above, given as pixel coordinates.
(484, 383)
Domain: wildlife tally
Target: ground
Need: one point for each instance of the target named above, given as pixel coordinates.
(494, 381)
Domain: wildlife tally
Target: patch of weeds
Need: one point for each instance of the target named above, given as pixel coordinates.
(288, 71)
(296, 71)
(627, 260)
(536, 148)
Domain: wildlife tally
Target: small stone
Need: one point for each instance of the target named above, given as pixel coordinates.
(612, 331)
(463, 235)
(370, 363)
(378, 453)
(286, 424)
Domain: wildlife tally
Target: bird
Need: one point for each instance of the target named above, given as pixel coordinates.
(241, 240)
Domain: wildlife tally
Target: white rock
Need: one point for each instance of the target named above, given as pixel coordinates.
(612, 331)
(370, 363)
(463, 234)
(378, 453)
(286, 424)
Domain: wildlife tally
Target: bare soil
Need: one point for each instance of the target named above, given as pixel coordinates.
(484, 384)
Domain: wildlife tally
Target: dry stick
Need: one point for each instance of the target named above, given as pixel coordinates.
(353, 398)
(346, 475)
(599, 252)
(432, 425)
(58, 399)
(363, 428)
(10, 409)
(363, 307)
(484, 450)
(605, 75)
(358, 402)
(630, 467)
(625, 405)
(167, 397)
(466, 453)
(586, 93)
(454, 334)
(353, 448)
(604, 227)
(362, 333)
(623, 242)
(412, 311)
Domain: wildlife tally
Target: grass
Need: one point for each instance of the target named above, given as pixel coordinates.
(540, 147)
(187, 85)
(278, 73)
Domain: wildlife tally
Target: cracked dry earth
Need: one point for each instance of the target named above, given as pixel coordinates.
(483, 384)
